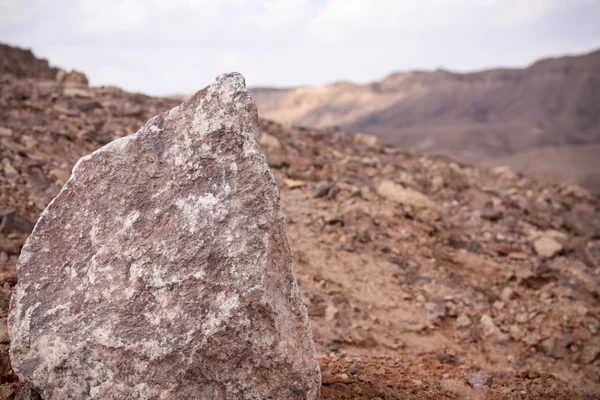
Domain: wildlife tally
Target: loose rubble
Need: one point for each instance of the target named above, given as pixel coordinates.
(409, 197)
(480, 379)
(386, 287)
(547, 246)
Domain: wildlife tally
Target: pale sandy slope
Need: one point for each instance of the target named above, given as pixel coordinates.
(477, 117)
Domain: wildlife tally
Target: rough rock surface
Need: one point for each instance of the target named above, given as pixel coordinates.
(163, 270)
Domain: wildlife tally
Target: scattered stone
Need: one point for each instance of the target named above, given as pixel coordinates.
(392, 191)
(577, 191)
(64, 110)
(6, 212)
(460, 390)
(269, 142)
(371, 141)
(322, 189)
(450, 308)
(505, 249)
(61, 175)
(73, 77)
(490, 329)
(491, 214)
(355, 371)
(276, 160)
(437, 183)
(521, 318)
(77, 92)
(4, 338)
(507, 294)
(480, 379)
(592, 252)
(590, 353)
(515, 332)
(9, 246)
(5, 132)
(294, 183)
(9, 171)
(504, 172)
(29, 142)
(436, 311)
(463, 321)
(446, 358)
(584, 220)
(558, 235)
(331, 313)
(557, 347)
(518, 256)
(547, 247)
(299, 162)
(19, 392)
(165, 255)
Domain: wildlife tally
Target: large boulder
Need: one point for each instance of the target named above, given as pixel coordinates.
(162, 270)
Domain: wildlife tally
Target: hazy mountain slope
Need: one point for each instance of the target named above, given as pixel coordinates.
(475, 116)
(569, 163)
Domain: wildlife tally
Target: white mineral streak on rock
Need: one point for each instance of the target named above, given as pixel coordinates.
(162, 269)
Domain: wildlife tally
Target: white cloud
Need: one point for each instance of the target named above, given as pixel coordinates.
(287, 9)
(18, 11)
(99, 16)
(163, 46)
(209, 8)
(340, 19)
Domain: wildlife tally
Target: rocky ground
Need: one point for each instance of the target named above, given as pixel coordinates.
(423, 277)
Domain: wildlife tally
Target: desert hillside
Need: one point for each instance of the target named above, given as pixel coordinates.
(489, 117)
(424, 277)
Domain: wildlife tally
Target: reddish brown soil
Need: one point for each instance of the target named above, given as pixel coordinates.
(425, 377)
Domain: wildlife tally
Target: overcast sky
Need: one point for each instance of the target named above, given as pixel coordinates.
(168, 46)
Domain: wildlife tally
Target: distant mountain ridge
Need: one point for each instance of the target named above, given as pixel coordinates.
(478, 117)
